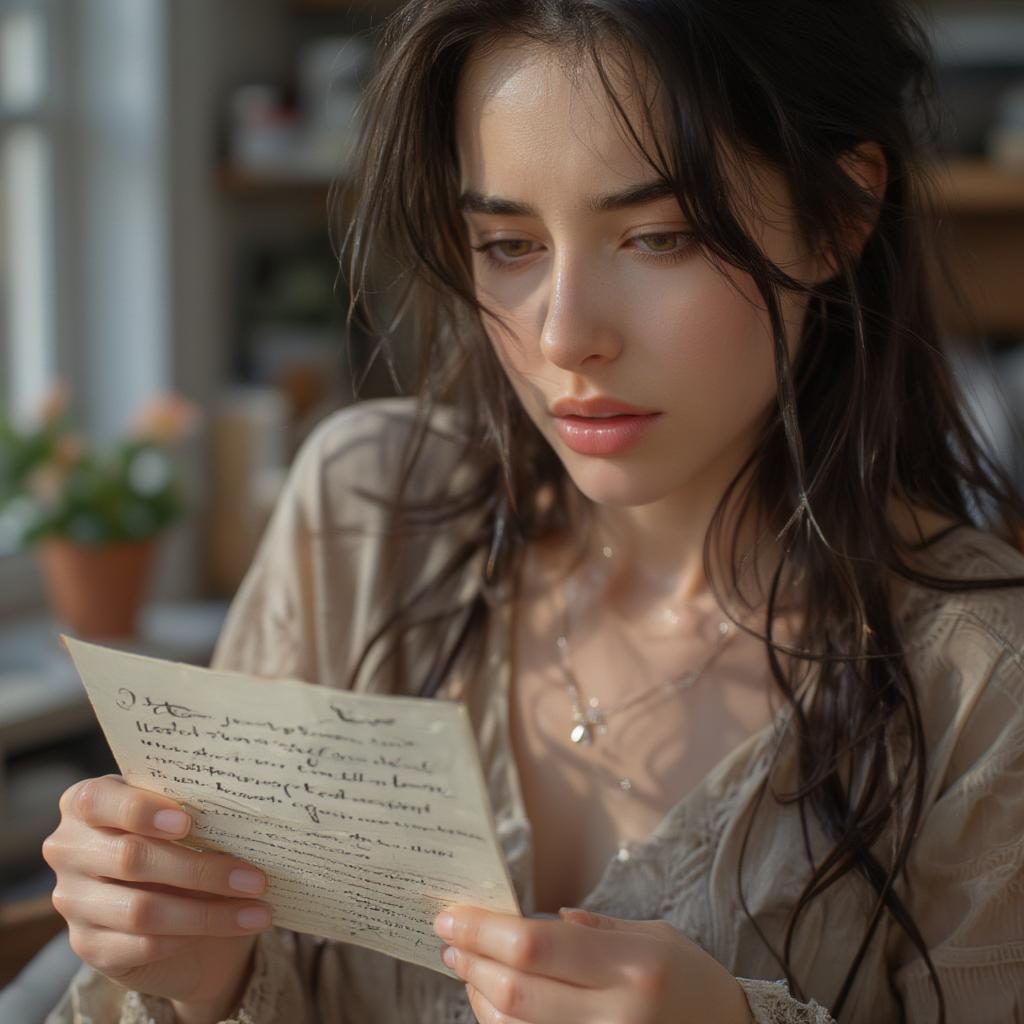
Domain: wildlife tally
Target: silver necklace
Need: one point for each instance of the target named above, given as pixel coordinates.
(590, 719)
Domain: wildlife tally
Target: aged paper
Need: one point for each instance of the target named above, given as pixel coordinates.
(368, 814)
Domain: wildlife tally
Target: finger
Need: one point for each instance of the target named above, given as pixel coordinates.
(514, 995)
(109, 802)
(485, 1013)
(126, 857)
(555, 949)
(131, 911)
(116, 954)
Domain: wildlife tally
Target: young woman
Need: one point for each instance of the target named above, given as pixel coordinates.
(688, 512)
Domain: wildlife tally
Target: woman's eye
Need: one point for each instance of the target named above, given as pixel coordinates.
(658, 246)
(665, 244)
(513, 247)
(505, 251)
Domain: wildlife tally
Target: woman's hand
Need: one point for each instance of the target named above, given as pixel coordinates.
(153, 916)
(586, 968)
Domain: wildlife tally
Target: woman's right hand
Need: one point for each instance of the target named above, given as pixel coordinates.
(155, 917)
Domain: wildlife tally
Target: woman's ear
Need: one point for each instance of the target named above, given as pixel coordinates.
(867, 166)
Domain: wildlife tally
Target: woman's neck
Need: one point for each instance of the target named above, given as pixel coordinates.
(644, 562)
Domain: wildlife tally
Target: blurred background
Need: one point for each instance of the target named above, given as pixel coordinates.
(169, 297)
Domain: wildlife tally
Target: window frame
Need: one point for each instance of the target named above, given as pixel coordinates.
(23, 590)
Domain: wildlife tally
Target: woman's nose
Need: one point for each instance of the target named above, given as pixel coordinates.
(578, 328)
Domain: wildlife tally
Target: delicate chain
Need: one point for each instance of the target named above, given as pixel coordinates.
(592, 717)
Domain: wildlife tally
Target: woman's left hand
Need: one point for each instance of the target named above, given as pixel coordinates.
(585, 967)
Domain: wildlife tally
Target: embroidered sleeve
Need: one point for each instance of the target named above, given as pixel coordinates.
(965, 885)
(771, 1003)
(273, 993)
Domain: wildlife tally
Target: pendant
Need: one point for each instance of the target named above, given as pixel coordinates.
(588, 721)
(581, 734)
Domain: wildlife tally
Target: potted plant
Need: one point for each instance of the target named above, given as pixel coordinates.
(94, 516)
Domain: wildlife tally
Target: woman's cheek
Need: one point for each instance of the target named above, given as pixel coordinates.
(513, 355)
(715, 364)
(508, 348)
(514, 295)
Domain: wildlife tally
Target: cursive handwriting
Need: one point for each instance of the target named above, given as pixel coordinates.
(368, 814)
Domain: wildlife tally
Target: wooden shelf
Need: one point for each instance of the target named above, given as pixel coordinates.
(25, 927)
(244, 184)
(982, 243)
(977, 187)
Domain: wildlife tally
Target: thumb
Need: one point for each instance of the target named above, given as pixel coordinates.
(589, 919)
(601, 922)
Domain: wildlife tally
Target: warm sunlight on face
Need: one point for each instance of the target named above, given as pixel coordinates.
(605, 293)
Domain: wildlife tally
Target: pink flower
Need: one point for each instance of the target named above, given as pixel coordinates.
(166, 419)
(68, 449)
(46, 483)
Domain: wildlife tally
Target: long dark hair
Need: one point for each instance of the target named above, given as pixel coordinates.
(868, 411)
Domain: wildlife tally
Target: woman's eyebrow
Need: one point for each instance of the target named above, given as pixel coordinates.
(636, 195)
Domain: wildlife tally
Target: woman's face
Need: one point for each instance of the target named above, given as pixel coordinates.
(604, 294)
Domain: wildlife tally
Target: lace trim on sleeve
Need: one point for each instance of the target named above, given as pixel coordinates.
(771, 1003)
(271, 994)
(140, 1009)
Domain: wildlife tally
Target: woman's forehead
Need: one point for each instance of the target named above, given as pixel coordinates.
(531, 122)
(522, 108)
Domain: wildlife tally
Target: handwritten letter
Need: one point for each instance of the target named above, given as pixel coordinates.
(368, 814)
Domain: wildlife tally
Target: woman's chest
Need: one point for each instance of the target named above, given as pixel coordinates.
(587, 802)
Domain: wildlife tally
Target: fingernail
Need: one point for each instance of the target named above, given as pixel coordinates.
(174, 822)
(253, 917)
(246, 881)
(444, 925)
(575, 914)
(449, 956)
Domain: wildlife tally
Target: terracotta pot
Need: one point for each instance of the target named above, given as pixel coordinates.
(97, 590)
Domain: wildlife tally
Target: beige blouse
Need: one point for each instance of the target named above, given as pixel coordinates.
(321, 582)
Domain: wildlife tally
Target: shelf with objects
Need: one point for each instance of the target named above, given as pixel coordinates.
(281, 175)
(981, 204)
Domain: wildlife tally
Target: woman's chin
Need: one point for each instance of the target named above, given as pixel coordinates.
(616, 486)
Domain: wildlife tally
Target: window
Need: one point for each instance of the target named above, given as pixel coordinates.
(28, 271)
(27, 262)
(84, 129)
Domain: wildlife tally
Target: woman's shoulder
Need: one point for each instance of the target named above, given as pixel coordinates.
(965, 650)
(321, 557)
(381, 423)
(360, 450)
(974, 557)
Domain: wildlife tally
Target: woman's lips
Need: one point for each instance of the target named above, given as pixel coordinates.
(590, 435)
